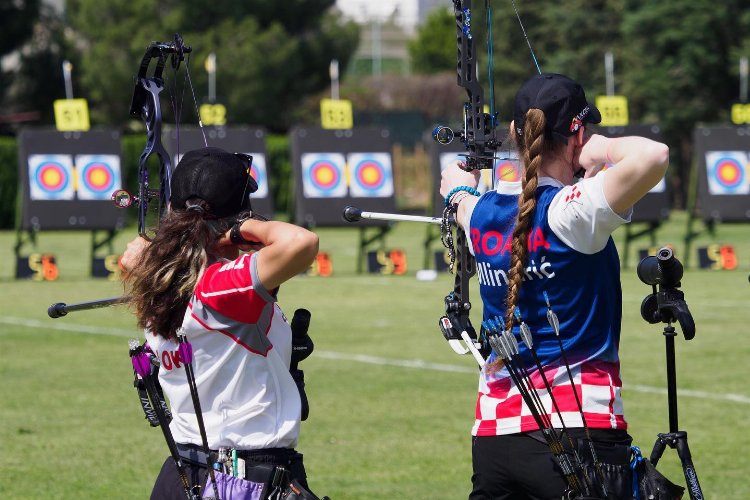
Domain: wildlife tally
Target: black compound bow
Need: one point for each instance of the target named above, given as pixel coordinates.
(146, 105)
(479, 136)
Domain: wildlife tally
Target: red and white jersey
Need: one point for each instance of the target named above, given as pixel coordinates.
(242, 345)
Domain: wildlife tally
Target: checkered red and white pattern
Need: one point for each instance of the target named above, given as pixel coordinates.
(501, 410)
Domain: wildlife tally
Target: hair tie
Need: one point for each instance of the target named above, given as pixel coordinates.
(196, 208)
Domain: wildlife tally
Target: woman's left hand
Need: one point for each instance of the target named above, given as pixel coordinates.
(453, 176)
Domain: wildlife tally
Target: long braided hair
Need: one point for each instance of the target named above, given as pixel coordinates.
(162, 283)
(531, 146)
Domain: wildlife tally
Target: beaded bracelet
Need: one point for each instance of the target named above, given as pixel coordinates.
(457, 189)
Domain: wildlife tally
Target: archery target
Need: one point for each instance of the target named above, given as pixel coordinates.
(51, 177)
(260, 174)
(727, 172)
(97, 176)
(371, 175)
(323, 175)
(660, 187)
(507, 169)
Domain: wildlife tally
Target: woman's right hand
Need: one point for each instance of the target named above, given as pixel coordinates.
(133, 252)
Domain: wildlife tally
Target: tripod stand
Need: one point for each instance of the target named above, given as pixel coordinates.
(668, 305)
(675, 439)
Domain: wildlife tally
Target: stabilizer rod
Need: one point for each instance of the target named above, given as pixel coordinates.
(354, 214)
(61, 309)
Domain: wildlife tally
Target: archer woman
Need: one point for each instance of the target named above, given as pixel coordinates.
(547, 239)
(192, 280)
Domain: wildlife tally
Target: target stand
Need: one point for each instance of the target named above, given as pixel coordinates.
(67, 179)
(720, 183)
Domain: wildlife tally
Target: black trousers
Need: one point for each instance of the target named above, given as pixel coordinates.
(521, 466)
(168, 485)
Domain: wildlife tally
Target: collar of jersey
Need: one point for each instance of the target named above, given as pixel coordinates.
(506, 187)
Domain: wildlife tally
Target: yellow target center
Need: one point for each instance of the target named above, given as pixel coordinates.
(98, 178)
(370, 174)
(51, 177)
(728, 173)
(325, 175)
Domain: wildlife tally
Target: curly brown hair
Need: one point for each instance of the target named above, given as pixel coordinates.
(162, 283)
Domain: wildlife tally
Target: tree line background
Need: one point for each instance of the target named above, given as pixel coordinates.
(676, 61)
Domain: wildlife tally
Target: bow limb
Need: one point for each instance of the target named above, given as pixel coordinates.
(146, 105)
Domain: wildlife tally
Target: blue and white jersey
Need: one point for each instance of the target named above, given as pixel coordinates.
(573, 259)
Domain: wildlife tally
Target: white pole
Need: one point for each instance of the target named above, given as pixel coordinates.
(67, 68)
(333, 71)
(211, 70)
(743, 79)
(609, 68)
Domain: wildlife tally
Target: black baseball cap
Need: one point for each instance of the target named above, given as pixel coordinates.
(220, 178)
(561, 99)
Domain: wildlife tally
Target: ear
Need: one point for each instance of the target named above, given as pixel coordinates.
(580, 136)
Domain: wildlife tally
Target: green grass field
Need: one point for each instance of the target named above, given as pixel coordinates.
(391, 404)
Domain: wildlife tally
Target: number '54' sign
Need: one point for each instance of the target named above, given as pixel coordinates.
(614, 110)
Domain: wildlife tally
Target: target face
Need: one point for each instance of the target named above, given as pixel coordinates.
(660, 187)
(507, 169)
(323, 175)
(97, 176)
(727, 172)
(51, 177)
(260, 174)
(371, 175)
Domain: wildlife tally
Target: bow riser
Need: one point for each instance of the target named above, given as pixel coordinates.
(479, 134)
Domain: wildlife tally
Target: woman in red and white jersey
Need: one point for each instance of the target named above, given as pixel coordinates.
(191, 279)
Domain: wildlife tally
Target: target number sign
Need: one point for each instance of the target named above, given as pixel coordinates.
(336, 114)
(322, 265)
(213, 114)
(717, 257)
(72, 115)
(727, 172)
(740, 114)
(614, 110)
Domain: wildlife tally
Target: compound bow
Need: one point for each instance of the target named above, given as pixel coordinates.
(145, 105)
